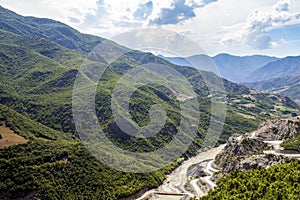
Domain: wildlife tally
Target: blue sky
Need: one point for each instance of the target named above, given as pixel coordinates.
(239, 27)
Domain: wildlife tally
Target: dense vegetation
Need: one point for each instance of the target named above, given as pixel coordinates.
(50, 29)
(276, 182)
(292, 144)
(50, 166)
(39, 60)
(65, 170)
(28, 128)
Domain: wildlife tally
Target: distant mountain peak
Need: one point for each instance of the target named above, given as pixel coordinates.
(231, 67)
(280, 68)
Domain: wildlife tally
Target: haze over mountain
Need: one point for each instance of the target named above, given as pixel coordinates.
(284, 67)
(39, 61)
(232, 68)
(268, 74)
(280, 77)
(287, 86)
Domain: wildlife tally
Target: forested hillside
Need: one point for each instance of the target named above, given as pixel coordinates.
(39, 60)
(276, 182)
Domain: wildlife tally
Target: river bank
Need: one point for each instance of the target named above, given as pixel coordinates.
(176, 184)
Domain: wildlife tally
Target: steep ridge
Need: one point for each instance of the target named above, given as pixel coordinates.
(284, 67)
(279, 129)
(46, 28)
(37, 76)
(26, 127)
(245, 154)
(55, 165)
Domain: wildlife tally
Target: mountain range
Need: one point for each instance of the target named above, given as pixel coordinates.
(232, 68)
(40, 59)
(284, 67)
(287, 86)
(280, 77)
(264, 73)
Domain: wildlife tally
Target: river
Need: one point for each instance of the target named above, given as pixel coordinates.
(174, 185)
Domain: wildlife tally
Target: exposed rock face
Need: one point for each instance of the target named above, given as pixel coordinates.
(244, 146)
(248, 162)
(246, 152)
(241, 153)
(279, 129)
(253, 162)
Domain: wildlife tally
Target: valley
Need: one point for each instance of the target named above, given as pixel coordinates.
(197, 176)
(44, 155)
(263, 73)
(184, 176)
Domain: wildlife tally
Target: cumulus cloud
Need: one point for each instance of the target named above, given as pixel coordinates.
(256, 31)
(180, 10)
(143, 11)
(282, 5)
(198, 3)
(118, 16)
(100, 10)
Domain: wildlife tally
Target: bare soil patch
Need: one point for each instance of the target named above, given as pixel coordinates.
(9, 138)
(246, 116)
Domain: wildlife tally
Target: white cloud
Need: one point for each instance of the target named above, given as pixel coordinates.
(148, 12)
(125, 15)
(256, 30)
(178, 12)
(198, 3)
(282, 5)
(225, 21)
(58, 10)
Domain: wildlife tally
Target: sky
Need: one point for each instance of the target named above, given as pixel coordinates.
(238, 27)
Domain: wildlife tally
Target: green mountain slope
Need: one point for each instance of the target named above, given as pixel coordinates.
(28, 128)
(39, 67)
(52, 165)
(276, 182)
(47, 28)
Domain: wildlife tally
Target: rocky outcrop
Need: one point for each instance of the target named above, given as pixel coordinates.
(241, 153)
(279, 129)
(248, 162)
(247, 152)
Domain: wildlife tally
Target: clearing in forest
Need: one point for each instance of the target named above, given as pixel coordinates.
(9, 137)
